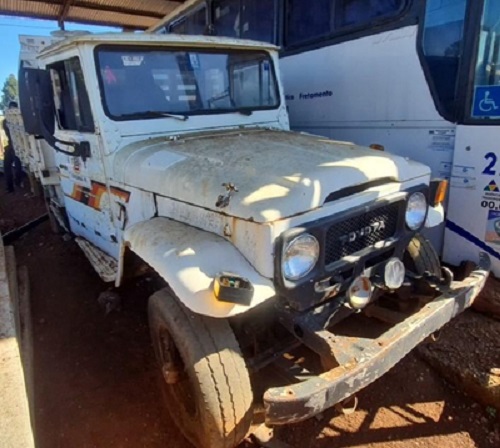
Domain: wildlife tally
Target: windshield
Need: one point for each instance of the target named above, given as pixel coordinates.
(146, 82)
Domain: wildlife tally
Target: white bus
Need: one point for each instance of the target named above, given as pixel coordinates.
(420, 77)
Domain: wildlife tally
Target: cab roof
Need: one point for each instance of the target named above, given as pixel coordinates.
(173, 40)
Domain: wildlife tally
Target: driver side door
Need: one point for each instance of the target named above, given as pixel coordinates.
(83, 180)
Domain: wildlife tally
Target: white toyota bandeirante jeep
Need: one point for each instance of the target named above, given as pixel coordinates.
(175, 153)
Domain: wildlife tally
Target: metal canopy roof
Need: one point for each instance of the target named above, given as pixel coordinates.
(131, 14)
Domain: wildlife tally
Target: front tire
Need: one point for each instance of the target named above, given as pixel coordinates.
(206, 382)
(422, 258)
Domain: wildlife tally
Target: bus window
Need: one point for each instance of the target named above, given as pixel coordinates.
(193, 23)
(487, 79)
(227, 18)
(442, 46)
(361, 12)
(308, 20)
(258, 20)
(311, 20)
(247, 19)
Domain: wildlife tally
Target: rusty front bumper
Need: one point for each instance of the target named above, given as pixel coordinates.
(373, 357)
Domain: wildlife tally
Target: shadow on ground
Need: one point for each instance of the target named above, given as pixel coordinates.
(96, 382)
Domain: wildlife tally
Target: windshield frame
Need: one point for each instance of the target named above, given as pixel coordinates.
(173, 48)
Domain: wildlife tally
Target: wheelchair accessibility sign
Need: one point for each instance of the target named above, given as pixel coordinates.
(487, 101)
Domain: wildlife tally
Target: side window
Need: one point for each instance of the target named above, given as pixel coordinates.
(193, 23)
(247, 19)
(442, 44)
(362, 12)
(307, 21)
(486, 104)
(71, 98)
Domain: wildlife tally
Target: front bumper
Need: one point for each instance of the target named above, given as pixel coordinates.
(371, 357)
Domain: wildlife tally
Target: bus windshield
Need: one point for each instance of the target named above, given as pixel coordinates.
(139, 83)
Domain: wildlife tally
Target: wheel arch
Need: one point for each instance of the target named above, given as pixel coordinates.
(189, 259)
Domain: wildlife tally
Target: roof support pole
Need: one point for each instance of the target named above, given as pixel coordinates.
(64, 13)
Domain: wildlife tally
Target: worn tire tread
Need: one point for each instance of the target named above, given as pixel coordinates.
(210, 350)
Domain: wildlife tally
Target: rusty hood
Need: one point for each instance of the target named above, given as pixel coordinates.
(276, 174)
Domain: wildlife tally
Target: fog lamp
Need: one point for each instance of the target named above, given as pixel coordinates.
(394, 274)
(360, 293)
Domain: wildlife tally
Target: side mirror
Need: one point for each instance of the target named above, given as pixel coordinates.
(32, 84)
(36, 98)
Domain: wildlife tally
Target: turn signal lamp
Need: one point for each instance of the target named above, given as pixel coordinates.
(438, 190)
(377, 147)
(441, 192)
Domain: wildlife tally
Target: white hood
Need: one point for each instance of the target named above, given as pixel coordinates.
(277, 174)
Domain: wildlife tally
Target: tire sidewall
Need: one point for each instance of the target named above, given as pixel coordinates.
(422, 256)
(193, 429)
(205, 364)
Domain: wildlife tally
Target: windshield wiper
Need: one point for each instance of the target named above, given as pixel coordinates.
(246, 112)
(181, 117)
(156, 113)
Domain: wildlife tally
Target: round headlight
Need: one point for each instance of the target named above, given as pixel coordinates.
(300, 256)
(416, 210)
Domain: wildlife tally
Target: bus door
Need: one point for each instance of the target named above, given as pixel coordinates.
(473, 221)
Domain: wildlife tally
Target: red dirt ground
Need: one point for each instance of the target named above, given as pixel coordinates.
(18, 208)
(96, 383)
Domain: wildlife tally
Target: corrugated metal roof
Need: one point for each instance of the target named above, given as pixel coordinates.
(122, 13)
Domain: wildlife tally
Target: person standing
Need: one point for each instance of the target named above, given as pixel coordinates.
(12, 163)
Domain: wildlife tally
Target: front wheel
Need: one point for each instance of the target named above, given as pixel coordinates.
(206, 382)
(421, 257)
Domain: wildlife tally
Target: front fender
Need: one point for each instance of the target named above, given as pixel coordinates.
(189, 259)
